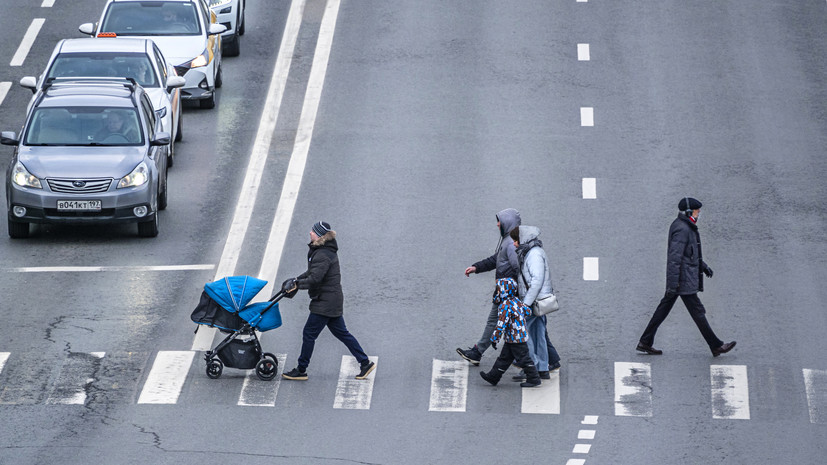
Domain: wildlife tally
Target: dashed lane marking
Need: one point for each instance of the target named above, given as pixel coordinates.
(3, 357)
(586, 116)
(26, 44)
(449, 386)
(352, 393)
(589, 188)
(591, 269)
(86, 269)
(815, 383)
(583, 52)
(4, 90)
(47, 3)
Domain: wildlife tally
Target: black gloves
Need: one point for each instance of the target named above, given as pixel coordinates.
(708, 271)
(289, 285)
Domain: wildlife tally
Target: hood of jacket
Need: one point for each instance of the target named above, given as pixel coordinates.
(328, 240)
(506, 289)
(509, 219)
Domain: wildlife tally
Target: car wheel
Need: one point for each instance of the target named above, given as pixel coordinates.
(232, 48)
(240, 24)
(149, 228)
(162, 198)
(207, 102)
(219, 78)
(179, 132)
(18, 230)
(171, 155)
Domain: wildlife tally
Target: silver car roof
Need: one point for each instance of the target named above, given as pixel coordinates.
(120, 45)
(87, 95)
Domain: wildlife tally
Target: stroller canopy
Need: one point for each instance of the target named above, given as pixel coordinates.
(233, 293)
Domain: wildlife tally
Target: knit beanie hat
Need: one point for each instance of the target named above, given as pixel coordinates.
(321, 228)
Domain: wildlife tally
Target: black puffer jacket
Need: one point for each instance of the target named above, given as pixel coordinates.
(684, 263)
(323, 280)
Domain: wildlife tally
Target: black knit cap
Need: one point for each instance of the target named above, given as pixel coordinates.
(694, 204)
(321, 228)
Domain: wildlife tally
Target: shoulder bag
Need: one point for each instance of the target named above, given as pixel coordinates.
(544, 306)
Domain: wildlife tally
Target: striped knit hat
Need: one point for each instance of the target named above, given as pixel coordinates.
(321, 228)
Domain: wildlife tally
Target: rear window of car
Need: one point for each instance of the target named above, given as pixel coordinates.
(84, 126)
(133, 65)
(151, 19)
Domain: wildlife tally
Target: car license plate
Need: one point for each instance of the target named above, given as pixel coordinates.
(78, 205)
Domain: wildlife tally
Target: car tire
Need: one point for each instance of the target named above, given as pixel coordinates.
(207, 103)
(171, 155)
(232, 48)
(149, 228)
(162, 198)
(18, 230)
(179, 132)
(219, 78)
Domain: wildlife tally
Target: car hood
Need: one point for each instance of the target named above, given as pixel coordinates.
(81, 162)
(179, 49)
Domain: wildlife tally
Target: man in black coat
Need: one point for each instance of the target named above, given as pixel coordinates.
(685, 270)
(323, 281)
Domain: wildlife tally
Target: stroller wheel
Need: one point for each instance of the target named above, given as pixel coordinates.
(267, 368)
(214, 368)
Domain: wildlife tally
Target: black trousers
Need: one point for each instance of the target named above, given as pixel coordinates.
(696, 310)
(516, 352)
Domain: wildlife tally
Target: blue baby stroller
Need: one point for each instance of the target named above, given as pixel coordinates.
(224, 305)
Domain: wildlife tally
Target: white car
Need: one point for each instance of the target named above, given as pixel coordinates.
(230, 14)
(184, 30)
(139, 59)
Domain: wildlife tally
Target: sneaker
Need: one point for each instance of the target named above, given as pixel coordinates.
(295, 374)
(489, 378)
(555, 367)
(366, 369)
(473, 355)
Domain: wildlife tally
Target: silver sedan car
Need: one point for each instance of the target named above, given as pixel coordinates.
(91, 151)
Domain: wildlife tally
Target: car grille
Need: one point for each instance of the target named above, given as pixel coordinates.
(90, 186)
(181, 70)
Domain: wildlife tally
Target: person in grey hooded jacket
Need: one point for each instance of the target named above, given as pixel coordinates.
(504, 261)
(535, 283)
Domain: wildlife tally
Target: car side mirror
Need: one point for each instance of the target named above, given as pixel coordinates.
(217, 29)
(9, 138)
(87, 28)
(29, 82)
(174, 82)
(161, 138)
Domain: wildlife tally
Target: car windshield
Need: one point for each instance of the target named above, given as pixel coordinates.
(133, 65)
(151, 19)
(84, 126)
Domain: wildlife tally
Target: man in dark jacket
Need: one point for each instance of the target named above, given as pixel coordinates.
(323, 283)
(685, 270)
(504, 261)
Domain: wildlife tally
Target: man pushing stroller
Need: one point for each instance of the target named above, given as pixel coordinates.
(323, 283)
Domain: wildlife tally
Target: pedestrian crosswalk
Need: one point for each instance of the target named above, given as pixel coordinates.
(77, 378)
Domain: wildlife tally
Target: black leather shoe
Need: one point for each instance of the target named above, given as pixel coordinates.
(641, 347)
(723, 349)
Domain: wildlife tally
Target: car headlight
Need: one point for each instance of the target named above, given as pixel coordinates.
(21, 176)
(139, 176)
(215, 3)
(200, 60)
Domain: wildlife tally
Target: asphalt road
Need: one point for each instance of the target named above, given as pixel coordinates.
(433, 116)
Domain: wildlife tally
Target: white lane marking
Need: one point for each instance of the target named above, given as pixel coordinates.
(3, 357)
(582, 1)
(589, 420)
(544, 398)
(815, 382)
(76, 375)
(352, 393)
(633, 389)
(47, 3)
(166, 378)
(586, 434)
(730, 392)
(255, 168)
(258, 393)
(26, 44)
(298, 159)
(583, 52)
(581, 448)
(4, 90)
(586, 116)
(576, 461)
(589, 188)
(591, 269)
(449, 386)
(79, 269)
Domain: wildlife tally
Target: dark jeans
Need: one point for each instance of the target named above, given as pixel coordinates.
(517, 352)
(696, 310)
(314, 326)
